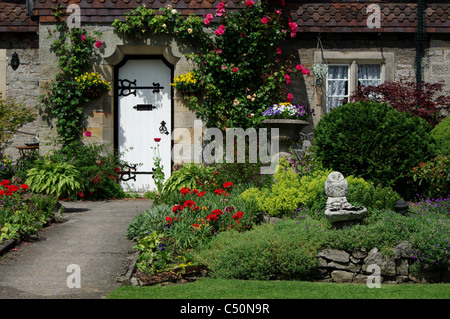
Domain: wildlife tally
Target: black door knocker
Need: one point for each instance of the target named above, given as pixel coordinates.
(163, 128)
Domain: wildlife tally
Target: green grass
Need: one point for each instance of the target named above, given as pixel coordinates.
(251, 289)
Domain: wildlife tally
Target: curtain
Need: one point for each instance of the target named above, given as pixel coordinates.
(369, 74)
(337, 89)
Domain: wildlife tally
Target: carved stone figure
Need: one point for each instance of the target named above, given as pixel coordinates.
(337, 207)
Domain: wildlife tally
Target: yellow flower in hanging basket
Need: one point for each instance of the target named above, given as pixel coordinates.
(186, 82)
(92, 84)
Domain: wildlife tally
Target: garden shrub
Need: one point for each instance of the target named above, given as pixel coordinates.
(292, 190)
(99, 169)
(373, 141)
(433, 177)
(428, 101)
(441, 134)
(280, 251)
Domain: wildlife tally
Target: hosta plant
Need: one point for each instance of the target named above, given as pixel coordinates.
(51, 178)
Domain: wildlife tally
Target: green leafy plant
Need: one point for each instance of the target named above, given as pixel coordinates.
(373, 141)
(153, 255)
(190, 175)
(65, 96)
(433, 176)
(292, 190)
(441, 134)
(23, 214)
(158, 172)
(99, 169)
(280, 251)
(60, 179)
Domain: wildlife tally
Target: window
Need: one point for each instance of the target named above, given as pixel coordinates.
(349, 69)
(339, 81)
(337, 85)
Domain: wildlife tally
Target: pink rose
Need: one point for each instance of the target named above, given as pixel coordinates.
(299, 67)
(235, 69)
(264, 20)
(209, 16)
(289, 97)
(88, 134)
(249, 3)
(206, 21)
(288, 79)
(220, 30)
(98, 44)
(83, 38)
(279, 50)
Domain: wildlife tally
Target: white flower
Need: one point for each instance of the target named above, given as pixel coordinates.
(164, 26)
(173, 11)
(236, 102)
(190, 30)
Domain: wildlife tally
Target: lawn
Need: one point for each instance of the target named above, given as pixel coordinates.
(208, 288)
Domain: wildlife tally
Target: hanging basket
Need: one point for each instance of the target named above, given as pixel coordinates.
(93, 93)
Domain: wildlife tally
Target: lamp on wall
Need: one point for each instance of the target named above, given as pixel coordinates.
(15, 62)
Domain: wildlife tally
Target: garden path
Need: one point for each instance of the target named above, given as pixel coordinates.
(90, 235)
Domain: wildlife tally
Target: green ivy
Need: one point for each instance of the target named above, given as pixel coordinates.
(74, 48)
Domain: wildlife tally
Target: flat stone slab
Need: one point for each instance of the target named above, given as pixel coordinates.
(345, 215)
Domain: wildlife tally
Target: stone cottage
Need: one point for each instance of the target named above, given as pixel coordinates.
(362, 42)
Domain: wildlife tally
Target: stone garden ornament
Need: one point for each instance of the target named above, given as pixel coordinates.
(338, 209)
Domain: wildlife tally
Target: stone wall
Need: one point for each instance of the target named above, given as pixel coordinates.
(341, 266)
(23, 83)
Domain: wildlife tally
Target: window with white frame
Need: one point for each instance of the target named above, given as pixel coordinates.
(349, 69)
(337, 85)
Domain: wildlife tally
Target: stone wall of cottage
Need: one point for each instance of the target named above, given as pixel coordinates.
(399, 48)
(21, 84)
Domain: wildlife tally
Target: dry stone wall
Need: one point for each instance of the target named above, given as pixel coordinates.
(341, 266)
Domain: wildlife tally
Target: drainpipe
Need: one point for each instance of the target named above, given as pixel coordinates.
(420, 40)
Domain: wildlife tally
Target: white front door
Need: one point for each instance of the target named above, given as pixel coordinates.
(144, 113)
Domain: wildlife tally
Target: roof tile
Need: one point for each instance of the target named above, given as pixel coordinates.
(341, 16)
(13, 18)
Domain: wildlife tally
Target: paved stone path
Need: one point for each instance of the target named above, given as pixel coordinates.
(90, 235)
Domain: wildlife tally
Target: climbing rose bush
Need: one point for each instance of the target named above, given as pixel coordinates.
(239, 66)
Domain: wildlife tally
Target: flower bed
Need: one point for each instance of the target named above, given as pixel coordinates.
(222, 230)
(23, 214)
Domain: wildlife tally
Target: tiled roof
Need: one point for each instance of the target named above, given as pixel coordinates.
(311, 16)
(352, 16)
(108, 10)
(13, 17)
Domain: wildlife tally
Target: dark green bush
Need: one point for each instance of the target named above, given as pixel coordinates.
(373, 141)
(441, 134)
